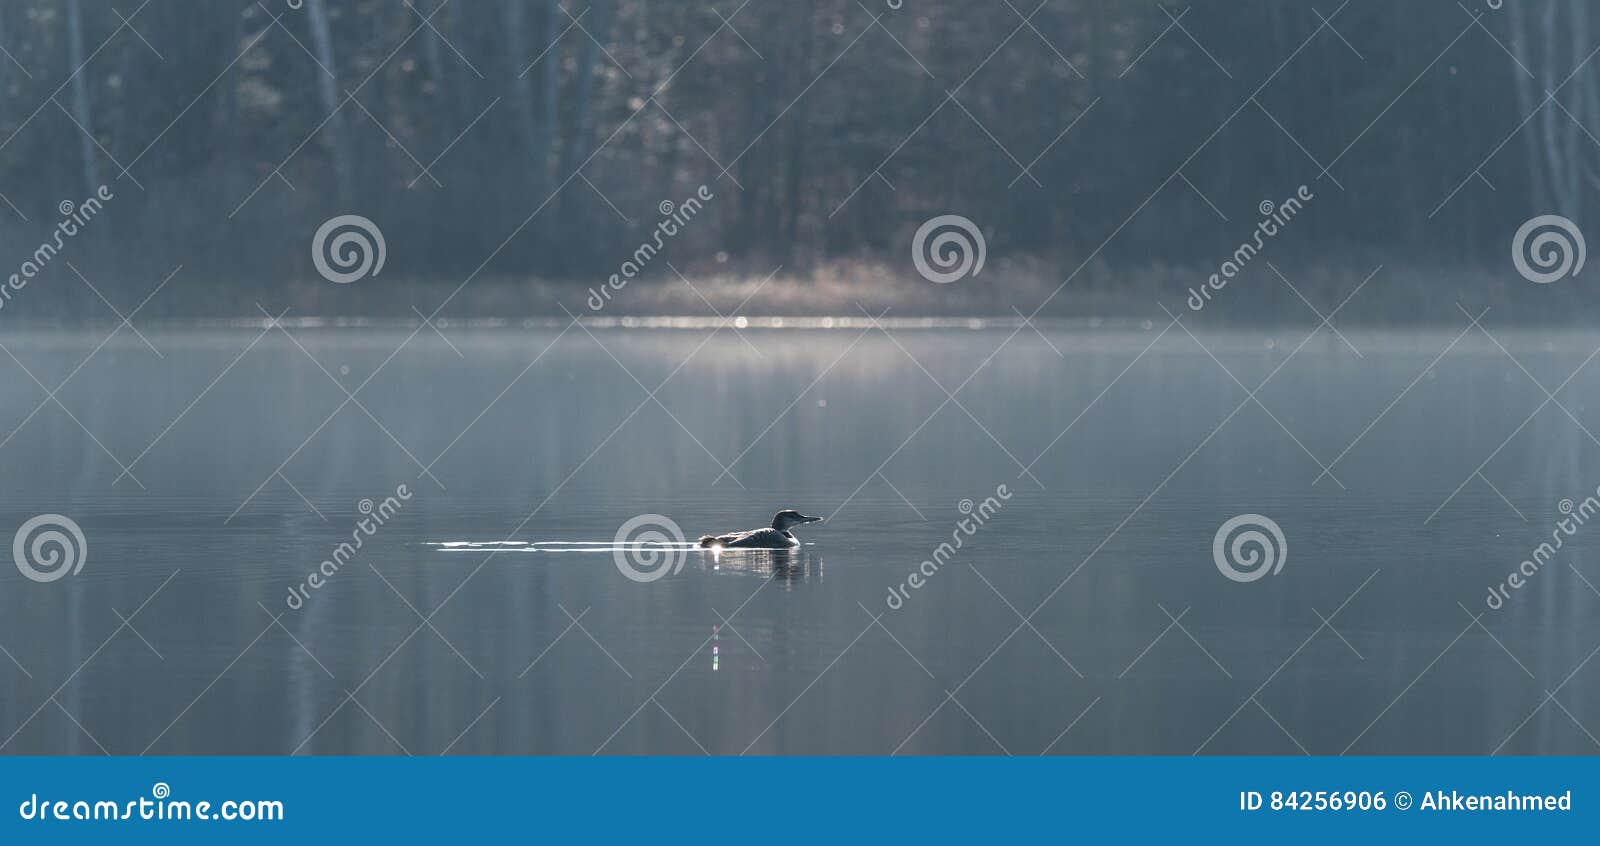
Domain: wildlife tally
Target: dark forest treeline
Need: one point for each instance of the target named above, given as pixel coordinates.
(525, 138)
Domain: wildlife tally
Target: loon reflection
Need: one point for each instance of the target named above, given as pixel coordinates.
(780, 565)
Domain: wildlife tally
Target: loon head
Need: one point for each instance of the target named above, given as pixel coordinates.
(783, 520)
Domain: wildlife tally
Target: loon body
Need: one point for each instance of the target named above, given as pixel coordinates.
(776, 536)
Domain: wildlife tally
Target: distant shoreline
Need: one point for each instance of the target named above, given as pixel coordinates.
(1288, 291)
(766, 323)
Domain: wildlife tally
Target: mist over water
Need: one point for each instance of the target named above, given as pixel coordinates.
(732, 640)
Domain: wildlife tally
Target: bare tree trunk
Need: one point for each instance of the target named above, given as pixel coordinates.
(431, 55)
(577, 143)
(1588, 109)
(232, 112)
(1571, 179)
(80, 97)
(436, 78)
(521, 86)
(453, 16)
(328, 88)
(1555, 165)
(799, 147)
(5, 64)
(543, 139)
(1524, 90)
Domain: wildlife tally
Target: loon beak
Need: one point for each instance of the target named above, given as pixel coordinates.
(812, 519)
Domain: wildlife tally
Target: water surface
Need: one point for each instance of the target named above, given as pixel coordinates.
(1050, 630)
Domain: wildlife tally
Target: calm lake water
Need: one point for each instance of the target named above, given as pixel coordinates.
(249, 462)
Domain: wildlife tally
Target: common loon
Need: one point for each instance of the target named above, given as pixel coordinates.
(777, 536)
